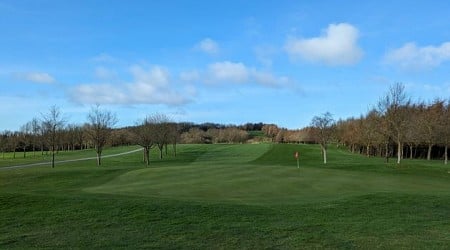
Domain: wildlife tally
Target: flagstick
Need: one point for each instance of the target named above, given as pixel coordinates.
(298, 165)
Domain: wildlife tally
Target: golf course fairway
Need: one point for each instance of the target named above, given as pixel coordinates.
(228, 197)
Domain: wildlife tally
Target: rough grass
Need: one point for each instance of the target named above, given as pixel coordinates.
(228, 196)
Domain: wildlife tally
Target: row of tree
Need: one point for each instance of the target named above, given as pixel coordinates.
(51, 133)
(398, 126)
(214, 135)
(395, 126)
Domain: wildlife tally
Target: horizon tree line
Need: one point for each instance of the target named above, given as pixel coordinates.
(395, 126)
(51, 134)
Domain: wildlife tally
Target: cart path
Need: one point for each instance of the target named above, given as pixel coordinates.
(66, 161)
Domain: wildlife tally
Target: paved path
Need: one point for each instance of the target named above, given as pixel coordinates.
(66, 161)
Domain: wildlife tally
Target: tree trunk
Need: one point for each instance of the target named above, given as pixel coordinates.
(410, 151)
(99, 158)
(446, 154)
(430, 147)
(399, 152)
(53, 158)
(147, 155)
(324, 153)
(387, 152)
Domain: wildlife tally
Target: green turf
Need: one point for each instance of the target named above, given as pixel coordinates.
(39, 157)
(227, 196)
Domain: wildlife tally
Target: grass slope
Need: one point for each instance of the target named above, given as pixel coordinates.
(228, 196)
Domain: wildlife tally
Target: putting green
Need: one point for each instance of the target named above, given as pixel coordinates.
(235, 174)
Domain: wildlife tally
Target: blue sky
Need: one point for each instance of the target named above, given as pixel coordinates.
(228, 61)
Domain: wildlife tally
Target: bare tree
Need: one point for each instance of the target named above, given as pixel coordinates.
(35, 128)
(429, 116)
(194, 135)
(26, 137)
(394, 108)
(52, 123)
(270, 130)
(324, 127)
(369, 133)
(145, 136)
(162, 131)
(100, 123)
(13, 140)
(174, 136)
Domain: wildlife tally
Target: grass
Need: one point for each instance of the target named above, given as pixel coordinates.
(40, 157)
(227, 196)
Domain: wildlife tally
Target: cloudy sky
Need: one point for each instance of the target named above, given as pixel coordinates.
(218, 61)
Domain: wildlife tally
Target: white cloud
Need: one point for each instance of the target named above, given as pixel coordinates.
(268, 79)
(98, 93)
(410, 56)
(37, 77)
(208, 46)
(148, 86)
(237, 72)
(156, 75)
(228, 72)
(336, 46)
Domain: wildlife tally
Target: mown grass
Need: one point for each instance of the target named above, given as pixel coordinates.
(43, 157)
(228, 196)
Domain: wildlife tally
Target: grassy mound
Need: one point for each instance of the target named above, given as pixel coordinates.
(266, 174)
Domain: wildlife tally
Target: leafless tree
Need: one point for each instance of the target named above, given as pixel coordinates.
(194, 135)
(145, 136)
(430, 121)
(394, 108)
(100, 123)
(413, 134)
(35, 128)
(13, 140)
(162, 131)
(324, 127)
(25, 137)
(270, 130)
(52, 123)
(174, 136)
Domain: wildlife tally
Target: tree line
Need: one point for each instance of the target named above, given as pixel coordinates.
(399, 127)
(395, 126)
(51, 133)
